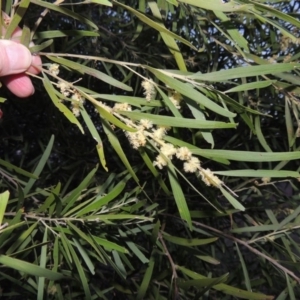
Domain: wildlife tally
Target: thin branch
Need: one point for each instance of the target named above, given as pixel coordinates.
(173, 265)
(245, 244)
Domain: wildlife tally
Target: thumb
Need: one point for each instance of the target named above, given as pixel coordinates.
(14, 58)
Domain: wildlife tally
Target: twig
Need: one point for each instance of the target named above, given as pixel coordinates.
(173, 266)
(245, 244)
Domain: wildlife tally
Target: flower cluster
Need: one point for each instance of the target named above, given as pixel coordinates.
(78, 101)
(146, 131)
(175, 98)
(54, 69)
(68, 90)
(149, 88)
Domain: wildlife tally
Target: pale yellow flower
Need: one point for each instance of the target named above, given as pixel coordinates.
(54, 69)
(209, 178)
(183, 153)
(192, 165)
(149, 88)
(160, 162)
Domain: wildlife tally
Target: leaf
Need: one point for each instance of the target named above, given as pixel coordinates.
(155, 25)
(42, 46)
(99, 202)
(51, 34)
(91, 71)
(216, 5)
(188, 242)
(132, 246)
(169, 40)
(251, 86)
(65, 11)
(82, 276)
(114, 141)
(29, 268)
(101, 2)
(247, 71)
(179, 196)
(189, 91)
(18, 170)
(85, 256)
(244, 267)
(94, 132)
(236, 204)
(259, 173)
(39, 168)
(227, 289)
(146, 279)
(177, 122)
(69, 200)
(3, 203)
(43, 260)
(18, 16)
(109, 246)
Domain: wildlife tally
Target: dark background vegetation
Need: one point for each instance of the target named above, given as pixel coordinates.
(28, 124)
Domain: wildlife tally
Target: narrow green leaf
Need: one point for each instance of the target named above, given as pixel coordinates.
(119, 263)
(155, 25)
(29, 268)
(40, 47)
(260, 135)
(18, 16)
(69, 200)
(18, 170)
(236, 204)
(247, 71)
(39, 168)
(251, 86)
(49, 200)
(179, 196)
(189, 91)
(133, 247)
(178, 122)
(244, 267)
(141, 293)
(82, 275)
(99, 202)
(259, 173)
(109, 246)
(114, 141)
(85, 256)
(205, 282)
(91, 71)
(21, 238)
(43, 260)
(94, 132)
(188, 242)
(65, 11)
(3, 203)
(208, 259)
(101, 2)
(51, 34)
(230, 290)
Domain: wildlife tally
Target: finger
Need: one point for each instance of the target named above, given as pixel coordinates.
(14, 58)
(19, 84)
(35, 65)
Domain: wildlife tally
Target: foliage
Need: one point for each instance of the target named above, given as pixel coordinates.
(159, 113)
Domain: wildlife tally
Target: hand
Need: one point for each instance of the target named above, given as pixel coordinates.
(15, 59)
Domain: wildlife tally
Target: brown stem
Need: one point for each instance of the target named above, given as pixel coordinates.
(173, 266)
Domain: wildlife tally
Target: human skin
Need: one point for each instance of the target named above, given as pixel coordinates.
(15, 60)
